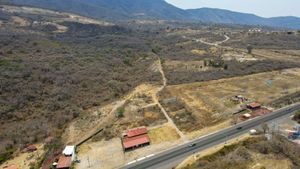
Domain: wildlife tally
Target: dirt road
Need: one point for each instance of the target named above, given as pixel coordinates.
(215, 43)
(155, 99)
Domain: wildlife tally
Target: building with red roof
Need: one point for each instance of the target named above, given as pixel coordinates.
(254, 105)
(64, 162)
(134, 142)
(31, 148)
(136, 132)
(11, 167)
(135, 138)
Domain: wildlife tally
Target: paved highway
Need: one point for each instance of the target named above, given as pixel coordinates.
(170, 158)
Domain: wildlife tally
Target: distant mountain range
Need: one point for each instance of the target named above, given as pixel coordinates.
(155, 9)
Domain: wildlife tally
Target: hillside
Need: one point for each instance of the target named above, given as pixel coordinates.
(230, 17)
(155, 9)
(112, 9)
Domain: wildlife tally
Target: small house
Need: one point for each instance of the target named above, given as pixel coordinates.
(253, 106)
(134, 138)
(31, 148)
(64, 162)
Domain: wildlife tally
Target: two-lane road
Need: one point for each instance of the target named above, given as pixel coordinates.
(169, 158)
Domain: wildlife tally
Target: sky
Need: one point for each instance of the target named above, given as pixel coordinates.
(265, 8)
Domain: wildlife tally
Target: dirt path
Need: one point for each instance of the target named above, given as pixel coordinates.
(215, 43)
(156, 101)
(73, 137)
(96, 130)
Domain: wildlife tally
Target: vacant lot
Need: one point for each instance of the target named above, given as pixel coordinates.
(205, 104)
(163, 134)
(109, 154)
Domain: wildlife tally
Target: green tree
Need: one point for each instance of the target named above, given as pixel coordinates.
(120, 112)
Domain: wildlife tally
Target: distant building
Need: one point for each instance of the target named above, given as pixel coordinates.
(31, 148)
(253, 105)
(135, 138)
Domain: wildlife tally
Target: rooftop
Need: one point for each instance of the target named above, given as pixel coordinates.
(136, 131)
(11, 167)
(64, 162)
(69, 150)
(254, 105)
(135, 141)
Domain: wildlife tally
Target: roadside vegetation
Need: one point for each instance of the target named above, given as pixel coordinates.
(257, 153)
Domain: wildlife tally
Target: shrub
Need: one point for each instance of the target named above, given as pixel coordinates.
(120, 112)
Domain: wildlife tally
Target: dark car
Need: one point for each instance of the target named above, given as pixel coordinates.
(192, 145)
(239, 128)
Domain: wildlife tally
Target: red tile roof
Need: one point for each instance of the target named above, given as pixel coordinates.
(254, 105)
(64, 162)
(136, 131)
(31, 148)
(129, 142)
(11, 167)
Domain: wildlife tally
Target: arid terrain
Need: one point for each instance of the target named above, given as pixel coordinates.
(80, 81)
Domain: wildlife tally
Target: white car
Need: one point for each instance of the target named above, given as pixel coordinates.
(252, 132)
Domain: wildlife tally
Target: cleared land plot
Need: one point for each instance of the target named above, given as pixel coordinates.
(163, 134)
(135, 110)
(200, 105)
(109, 154)
(104, 154)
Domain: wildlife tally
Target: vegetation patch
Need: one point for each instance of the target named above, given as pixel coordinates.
(247, 154)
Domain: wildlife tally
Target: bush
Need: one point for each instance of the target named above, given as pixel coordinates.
(6, 155)
(120, 112)
(297, 116)
(9, 52)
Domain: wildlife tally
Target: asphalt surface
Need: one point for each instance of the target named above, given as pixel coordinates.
(170, 158)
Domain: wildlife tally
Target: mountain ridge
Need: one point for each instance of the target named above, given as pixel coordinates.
(156, 9)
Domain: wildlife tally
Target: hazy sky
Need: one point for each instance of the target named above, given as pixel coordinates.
(265, 8)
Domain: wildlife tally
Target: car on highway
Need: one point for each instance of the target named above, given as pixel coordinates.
(239, 128)
(192, 145)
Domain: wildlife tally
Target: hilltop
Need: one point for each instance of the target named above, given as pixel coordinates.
(156, 9)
